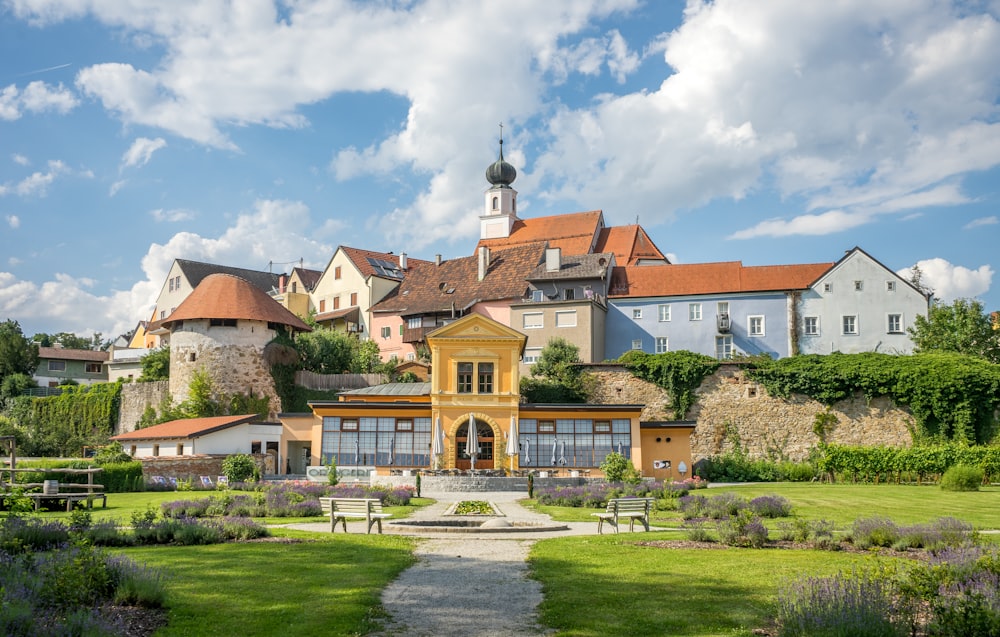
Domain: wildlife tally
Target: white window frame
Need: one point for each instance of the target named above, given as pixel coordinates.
(899, 320)
(854, 324)
(694, 311)
(636, 313)
(566, 315)
(529, 317)
(531, 355)
(662, 344)
(637, 344)
(386, 331)
(890, 286)
(750, 325)
(859, 285)
(805, 325)
(537, 296)
(722, 307)
(663, 312)
(827, 287)
(726, 351)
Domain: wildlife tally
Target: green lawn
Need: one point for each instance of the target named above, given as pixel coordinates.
(844, 503)
(609, 585)
(322, 585)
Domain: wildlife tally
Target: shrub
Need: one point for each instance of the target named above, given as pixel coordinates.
(962, 478)
(692, 506)
(771, 506)
(615, 466)
(874, 532)
(855, 604)
(743, 529)
(696, 532)
(239, 467)
(724, 505)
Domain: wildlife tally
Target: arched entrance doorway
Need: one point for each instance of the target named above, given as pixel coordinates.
(484, 433)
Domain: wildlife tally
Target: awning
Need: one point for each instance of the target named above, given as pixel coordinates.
(349, 315)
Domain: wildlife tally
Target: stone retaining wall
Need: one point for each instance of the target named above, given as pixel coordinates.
(730, 409)
(188, 467)
(134, 400)
(460, 484)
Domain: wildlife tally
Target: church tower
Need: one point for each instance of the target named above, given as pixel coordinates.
(500, 211)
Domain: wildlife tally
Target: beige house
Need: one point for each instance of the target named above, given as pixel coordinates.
(294, 291)
(567, 298)
(352, 282)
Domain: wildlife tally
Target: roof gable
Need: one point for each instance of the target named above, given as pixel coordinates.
(195, 272)
(575, 233)
(455, 284)
(224, 296)
(186, 428)
(854, 253)
(710, 278)
(630, 245)
(475, 326)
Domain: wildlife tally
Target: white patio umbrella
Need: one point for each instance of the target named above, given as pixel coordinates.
(357, 451)
(392, 450)
(554, 444)
(512, 442)
(562, 453)
(472, 442)
(527, 452)
(437, 444)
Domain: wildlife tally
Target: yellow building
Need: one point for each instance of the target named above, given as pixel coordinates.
(475, 378)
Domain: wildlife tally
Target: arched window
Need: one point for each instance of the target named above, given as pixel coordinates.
(496, 203)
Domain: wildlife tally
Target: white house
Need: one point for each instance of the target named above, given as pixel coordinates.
(858, 305)
(217, 435)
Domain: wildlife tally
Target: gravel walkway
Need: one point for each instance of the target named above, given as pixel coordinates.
(470, 583)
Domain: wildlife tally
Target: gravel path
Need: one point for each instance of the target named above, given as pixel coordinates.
(470, 583)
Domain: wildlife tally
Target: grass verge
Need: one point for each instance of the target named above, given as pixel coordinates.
(318, 585)
(612, 586)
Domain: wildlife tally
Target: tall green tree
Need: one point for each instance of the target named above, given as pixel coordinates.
(326, 351)
(155, 365)
(556, 377)
(18, 355)
(962, 326)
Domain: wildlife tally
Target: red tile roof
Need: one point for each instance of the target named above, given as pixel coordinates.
(359, 257)
(630, 244)
(186, 428)
(224, 296)
(434, 288)
(711, 278)
(575, 233)
(59, 353)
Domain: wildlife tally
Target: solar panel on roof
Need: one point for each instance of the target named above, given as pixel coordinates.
(385, 268)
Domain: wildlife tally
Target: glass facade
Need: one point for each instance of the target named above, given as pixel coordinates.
(568, 442)
(370, 441)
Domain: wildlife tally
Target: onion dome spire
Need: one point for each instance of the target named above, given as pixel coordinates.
(500, 173)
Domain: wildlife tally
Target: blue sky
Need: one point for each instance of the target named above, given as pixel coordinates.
(257, 132)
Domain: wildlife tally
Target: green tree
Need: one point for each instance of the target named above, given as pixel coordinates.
(15, 385)
(556, 377)
(962, 326)
(67, 340)
(368, 360)
(18, 355)
(155, 365)
(326, 351)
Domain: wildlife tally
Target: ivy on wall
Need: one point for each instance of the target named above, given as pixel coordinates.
(953, 397)
(679, 373)
(80, 415)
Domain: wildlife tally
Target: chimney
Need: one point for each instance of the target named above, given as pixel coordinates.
(402, 261)
(553, 259)
(437, 259)
(484, 261)
(281, 284)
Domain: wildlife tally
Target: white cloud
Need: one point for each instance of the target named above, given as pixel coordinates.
(819, 224)
(982, 221)
(13, 221)
(66, 303)
(950, 282)
(116, 186)
(38, 182)
(178, 214)
(20, 160)
(36, 97)
(141, 151)
(13, 261)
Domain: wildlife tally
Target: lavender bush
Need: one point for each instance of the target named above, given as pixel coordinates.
(743, 529)
(874, 532)
(845, 605)
(771, 506)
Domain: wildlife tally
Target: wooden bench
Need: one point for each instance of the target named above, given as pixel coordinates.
(620, 508)
(366, 509)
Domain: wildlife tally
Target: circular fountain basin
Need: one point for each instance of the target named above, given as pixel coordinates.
(493, 525)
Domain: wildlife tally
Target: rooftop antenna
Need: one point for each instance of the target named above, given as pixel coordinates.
(501, 140)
